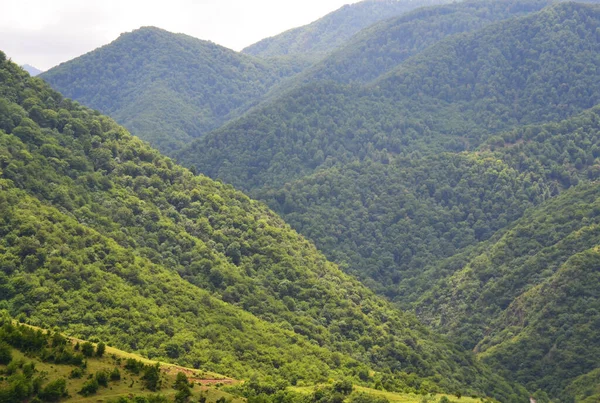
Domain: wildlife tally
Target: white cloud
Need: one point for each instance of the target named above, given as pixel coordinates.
(45, 33)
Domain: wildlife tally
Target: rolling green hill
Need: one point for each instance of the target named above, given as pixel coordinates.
(451, 96)
(184, 269)
(322, 36)
(381, 47)
(371, 173)
(531, 296)
(47, 366)
(167, 88)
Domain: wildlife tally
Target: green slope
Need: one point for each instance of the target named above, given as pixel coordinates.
(331, 31)
(141, 226)
(45, 366)
(452, 96)
(167, 88)
(385, 222)
(553, 327)
(555, 156)
(379, 48)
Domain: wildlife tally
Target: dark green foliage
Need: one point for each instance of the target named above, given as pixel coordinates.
(167, 88)
(382, 47)
(5, 354)
(367, 398)
(585, 388)
(333, 30)
(179, 267)
(134, 366)
(529, 298)
(102, 378)
(451, 96)
(90, 387)
(391, 220)
(115, 374)
(100, 348)
(53, 391)
(87, 349)
(76, 373)
(151, 377)
(183, 388)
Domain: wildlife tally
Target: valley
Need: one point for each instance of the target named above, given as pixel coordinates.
(395, 203)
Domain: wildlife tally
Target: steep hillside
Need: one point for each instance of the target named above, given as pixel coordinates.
(553, 327)
(317, 39)
(385, 222)
(182, 268)
(452, 96)
(383, 46)
(45, 366)
(167, 88)
(556, 156)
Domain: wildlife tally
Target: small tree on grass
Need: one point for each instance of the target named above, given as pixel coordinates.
(87, 349)
(100, 348)
(89, 388)
(151, 377)
(5, 354)
(54, 391)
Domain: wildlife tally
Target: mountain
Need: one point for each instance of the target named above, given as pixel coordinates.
(441, 184)
(31, 70)
(531, 295)
(381, 47)
(43, 365)
(104, 237)
(167, 88)
(450, 97)
(322, 36)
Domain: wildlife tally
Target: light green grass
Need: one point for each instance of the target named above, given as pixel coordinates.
(128, 384)
(396, 397)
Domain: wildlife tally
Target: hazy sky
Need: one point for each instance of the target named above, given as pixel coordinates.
(44, 33)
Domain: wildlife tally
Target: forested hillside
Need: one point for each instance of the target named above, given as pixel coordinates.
(182, 268)
(167, 88)
(381, 47)
(452, 96)
(315, 40)
(416, 183)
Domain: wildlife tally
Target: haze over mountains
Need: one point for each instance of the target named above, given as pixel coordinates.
(447, 157)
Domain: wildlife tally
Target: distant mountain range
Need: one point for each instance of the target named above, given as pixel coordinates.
(324, 35)
(106, 238)
(446, 156)
(31, 70)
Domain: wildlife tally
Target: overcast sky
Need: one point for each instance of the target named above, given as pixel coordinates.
(44, 33)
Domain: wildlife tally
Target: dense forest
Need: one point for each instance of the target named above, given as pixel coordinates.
(445, 158)
(333, 30)
(181, 268)
(451, 96)
(155, 82)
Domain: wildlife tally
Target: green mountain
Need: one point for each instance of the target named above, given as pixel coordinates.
(417, 181)
(317, 39)
(378, 49)
(531, 295)
(31, 70)
(167, 88)
(452, 96)
(104, 237)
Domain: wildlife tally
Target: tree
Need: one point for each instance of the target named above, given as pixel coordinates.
(151, 377)
(100, 348)
(87, 349)
(5, 354)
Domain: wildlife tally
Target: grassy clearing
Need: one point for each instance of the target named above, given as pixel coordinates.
(397, 397)
(204, 382)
